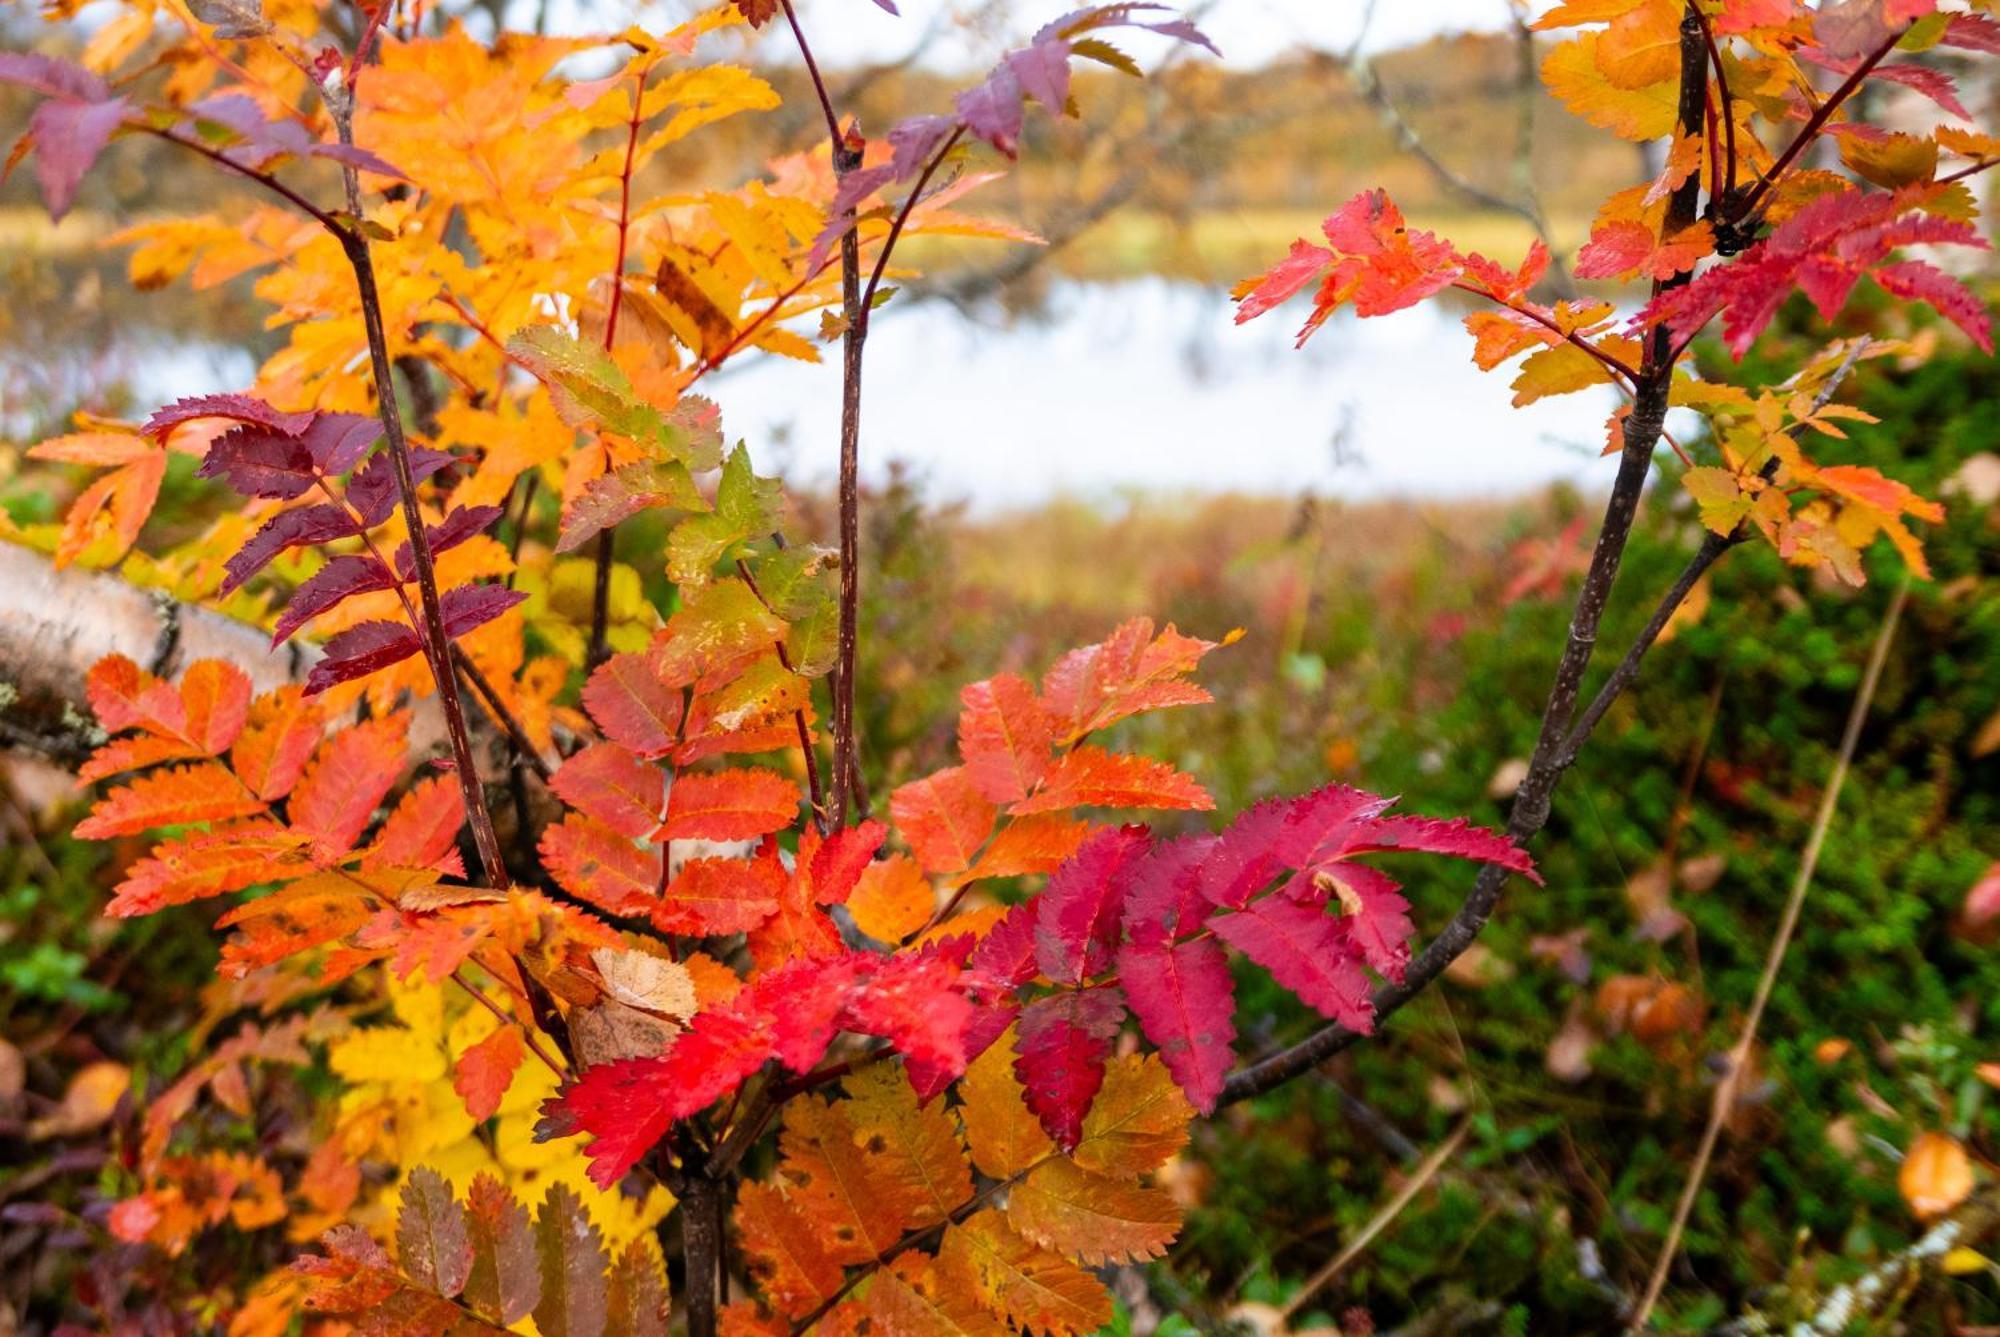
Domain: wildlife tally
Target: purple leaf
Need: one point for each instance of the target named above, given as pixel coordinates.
(361, 650)
(242, 408)
(1042, 71)
(359, 158)
(51, 77)
(339, 440)
(68, 137)
(372, 492)
(298, 528)
(1060, 1051)
(992, 110)
(455, 529)
(259, 462)
(339, 579)
(471, 606)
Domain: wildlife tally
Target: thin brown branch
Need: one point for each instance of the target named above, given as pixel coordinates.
(1781, 941)
(1419, 1179)
(1546, 766)
(1814, 124)
(524, 746)
(431, 631)
(527, 1033)
(600, 594)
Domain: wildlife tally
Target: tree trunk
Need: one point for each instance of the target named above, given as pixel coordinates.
(55, 624)
(703, 1207)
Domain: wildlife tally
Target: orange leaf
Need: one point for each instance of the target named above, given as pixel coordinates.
(943, 818)
(177, 797)
(1003, 734)
(1092, 777)
(486, 1070)
(347, 779)
(1936, 1175)
(729, 805)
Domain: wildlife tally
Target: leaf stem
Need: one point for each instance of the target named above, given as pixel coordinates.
(600, 594)
(437, 645)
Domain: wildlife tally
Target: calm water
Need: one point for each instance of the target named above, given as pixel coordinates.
(1147, 384)
(1138, 385)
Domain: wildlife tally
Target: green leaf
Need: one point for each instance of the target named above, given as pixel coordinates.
(746, 508)
(592, 392)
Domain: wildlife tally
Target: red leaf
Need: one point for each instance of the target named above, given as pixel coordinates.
(916, 1001)
(591, 861)
(1092, 777)
(1289, 277)
(1184, 1000)
(632, 703)
(729, 805)
(1004, 736)
(423, 830)
(719, 896)
(840, 860)
(628, 1106)
(1455, 837)
(1914, 280)
(1305, 950)
(1060, 1051)
(1077, 916)
(607, 782)
(943, 819)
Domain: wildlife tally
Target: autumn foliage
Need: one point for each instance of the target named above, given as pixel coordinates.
(977, 1025)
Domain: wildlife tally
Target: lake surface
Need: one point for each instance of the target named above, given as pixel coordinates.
(1142, 385)
(1148, 384)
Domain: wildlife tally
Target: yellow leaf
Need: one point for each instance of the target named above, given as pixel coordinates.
(893, 899)
(1573, 76)
(1138, 1121)
(1091, 1217)
(914, 1148)
(1026, 1285)
(1003, 1132)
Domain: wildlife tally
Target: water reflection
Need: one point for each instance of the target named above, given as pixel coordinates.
(1104, 389)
